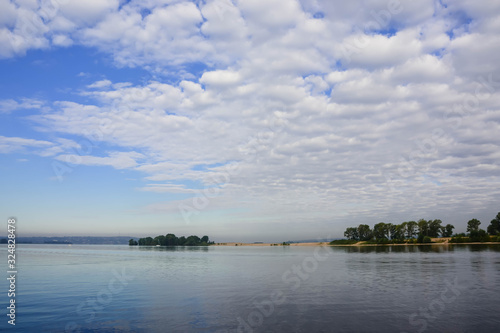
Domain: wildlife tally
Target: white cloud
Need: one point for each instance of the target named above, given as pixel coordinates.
(9, 105)
(61, 40)
(167, 188)
(220, 78)
(99, 84)
(117, 160)
(87, 12)
(13, 144)
(324, 119)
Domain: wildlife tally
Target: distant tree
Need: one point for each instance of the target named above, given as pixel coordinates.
(364, 232)
(132, 242)
(434, 228)
(160, 240)
(391, 230)
(423, 227)
(181, 240)
(351, 234)
(473, 225)
(171, 240)
(447, 230)
(411, 229)
(399, 231)
(204, 239)
(381, 231)
(494, 227)
(403, 227)
(192, 241)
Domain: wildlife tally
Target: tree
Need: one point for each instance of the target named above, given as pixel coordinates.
(364, 232)
(204, 239)
(192, 241)
(351, 233)
(381, 231)
(171, 240)
(494, 227)
(160, 240)
(423, 228)
(434, 228)
(399, 231)
(132, 242)
(473, 225)
(447, 230)
(411, 229)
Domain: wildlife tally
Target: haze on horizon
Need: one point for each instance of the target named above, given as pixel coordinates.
(247, 120)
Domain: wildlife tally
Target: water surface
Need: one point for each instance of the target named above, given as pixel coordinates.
(83, 288)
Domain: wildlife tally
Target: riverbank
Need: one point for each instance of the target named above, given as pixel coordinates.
(270, 244)
(435, 241)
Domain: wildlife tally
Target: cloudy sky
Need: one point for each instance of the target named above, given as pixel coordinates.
(247, 120)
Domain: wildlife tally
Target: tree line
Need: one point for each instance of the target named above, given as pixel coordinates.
(420, 231)
(475, 234)
(172, 240)
(400, 233)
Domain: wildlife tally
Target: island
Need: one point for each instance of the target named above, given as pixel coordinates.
(171, 240)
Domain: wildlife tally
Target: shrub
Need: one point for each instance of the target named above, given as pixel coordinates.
(459, 239)
(427, 239)
(479, 236)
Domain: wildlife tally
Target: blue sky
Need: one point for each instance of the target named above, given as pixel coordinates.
(247, 120)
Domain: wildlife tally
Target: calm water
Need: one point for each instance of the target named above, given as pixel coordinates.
(259, 289)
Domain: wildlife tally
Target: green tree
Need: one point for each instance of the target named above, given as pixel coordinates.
(423, 228)
(411, 229)
(204, 240)
(381, 231)
(192, 241)
(351, 233)
(494, 227)
(434, 228)
(447, 230)
(364, 232)
(171, 240)
(473, 225)
(132, 242)
(399, 231)
(160, 240)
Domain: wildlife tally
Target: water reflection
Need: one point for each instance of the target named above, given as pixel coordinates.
(172, 248)
(435, 248)
(355, 289)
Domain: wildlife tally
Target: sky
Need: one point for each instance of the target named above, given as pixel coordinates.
(247, 120)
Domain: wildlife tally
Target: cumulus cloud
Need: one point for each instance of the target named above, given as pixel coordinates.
(9, 105)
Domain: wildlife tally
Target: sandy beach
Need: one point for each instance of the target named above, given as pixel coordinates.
(270, 244)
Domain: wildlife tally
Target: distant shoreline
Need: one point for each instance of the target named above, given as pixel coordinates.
(270, 244)
(359, 244)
